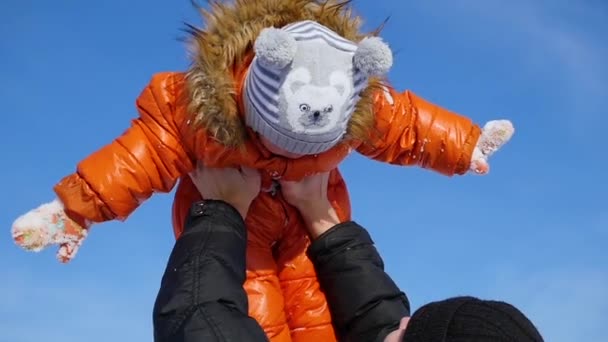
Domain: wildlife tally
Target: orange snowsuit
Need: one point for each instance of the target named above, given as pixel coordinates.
(157, 151)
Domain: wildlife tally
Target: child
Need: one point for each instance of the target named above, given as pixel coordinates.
(287, 87)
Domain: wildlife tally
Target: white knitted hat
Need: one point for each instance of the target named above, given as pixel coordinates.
(304, 83)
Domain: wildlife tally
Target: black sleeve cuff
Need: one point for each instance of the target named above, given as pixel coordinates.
(365, 302)
(337, 239)
(213, 211)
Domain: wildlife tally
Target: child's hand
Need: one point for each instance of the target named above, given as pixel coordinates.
(494, 135)
(49, 225)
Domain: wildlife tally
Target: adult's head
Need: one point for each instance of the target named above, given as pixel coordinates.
(467, 319)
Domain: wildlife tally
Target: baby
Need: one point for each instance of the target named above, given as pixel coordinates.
(289, 95)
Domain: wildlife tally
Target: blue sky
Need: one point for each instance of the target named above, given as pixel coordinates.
(534, 232)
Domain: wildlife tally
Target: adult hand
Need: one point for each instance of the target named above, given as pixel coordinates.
(237, 187)
(309, 196)
(397, 335)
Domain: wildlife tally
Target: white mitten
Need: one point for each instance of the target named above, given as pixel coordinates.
(49, 225)
(494, 134)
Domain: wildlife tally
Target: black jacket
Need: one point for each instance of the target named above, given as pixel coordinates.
(202, 298)
(366, 304)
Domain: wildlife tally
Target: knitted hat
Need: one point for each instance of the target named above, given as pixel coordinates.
(304, 83)
(470, 319)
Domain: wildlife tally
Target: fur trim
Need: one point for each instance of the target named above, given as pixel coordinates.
(226, 40)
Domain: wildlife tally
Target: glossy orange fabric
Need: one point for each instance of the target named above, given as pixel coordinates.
(159, 149)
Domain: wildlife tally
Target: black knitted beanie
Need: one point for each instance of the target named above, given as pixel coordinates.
(472, 320)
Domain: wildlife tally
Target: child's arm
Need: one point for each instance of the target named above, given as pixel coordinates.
(113, 181)
(412, 131)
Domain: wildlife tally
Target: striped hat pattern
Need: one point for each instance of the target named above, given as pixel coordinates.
(304, 83)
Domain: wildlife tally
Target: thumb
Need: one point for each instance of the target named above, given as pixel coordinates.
(67, 251)
(70, 241)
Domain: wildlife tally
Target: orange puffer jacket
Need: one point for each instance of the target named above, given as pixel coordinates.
(160, 149)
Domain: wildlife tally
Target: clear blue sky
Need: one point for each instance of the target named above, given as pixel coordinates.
(534, 232)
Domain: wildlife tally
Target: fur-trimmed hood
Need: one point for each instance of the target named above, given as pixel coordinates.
(227, 39)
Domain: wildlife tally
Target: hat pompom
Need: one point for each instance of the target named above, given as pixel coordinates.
(373, 57)
(275, 48)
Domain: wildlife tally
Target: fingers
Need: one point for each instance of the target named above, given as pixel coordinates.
(246, 173)
(251, 174)
(403, 323)
(195, 174)
(202, 175)
(67, 251)
(397, 335)
(324, 183)
(480, 166)
(202, 171)
(318, 178)
(285, 183)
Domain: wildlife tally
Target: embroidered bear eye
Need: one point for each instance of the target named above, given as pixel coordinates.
(304, 107)
(329, 109)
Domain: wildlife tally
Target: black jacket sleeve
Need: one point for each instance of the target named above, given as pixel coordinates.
(201, 297)
(366, 304)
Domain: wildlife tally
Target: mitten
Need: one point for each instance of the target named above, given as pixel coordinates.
(49, 225)
(494, 134)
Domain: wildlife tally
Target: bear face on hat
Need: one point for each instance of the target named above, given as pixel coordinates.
(304, 84)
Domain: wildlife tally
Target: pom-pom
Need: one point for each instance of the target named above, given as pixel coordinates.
(275, 48)
(373, 57)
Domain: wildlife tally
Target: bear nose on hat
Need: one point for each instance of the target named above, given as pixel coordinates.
(316, 114)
